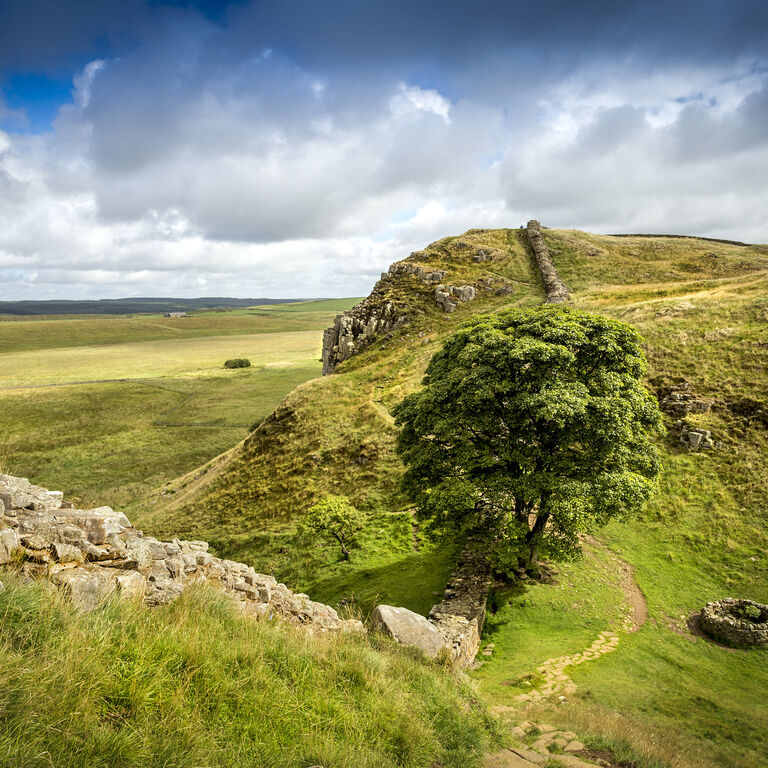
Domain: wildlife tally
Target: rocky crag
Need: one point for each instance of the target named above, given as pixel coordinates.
(94, 554)
(554, 287)
(391, 302)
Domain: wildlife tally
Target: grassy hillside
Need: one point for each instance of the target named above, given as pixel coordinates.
(158, 401)
(665, 696)
(197, 685)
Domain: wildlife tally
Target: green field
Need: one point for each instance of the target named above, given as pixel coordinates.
(108, 409)
(55, 331)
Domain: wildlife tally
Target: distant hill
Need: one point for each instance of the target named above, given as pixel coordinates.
(128, 306)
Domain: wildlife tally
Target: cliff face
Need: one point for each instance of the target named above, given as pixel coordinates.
(395, 296)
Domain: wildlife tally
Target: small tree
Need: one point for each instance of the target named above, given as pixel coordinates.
(531, 428)
(336, 518)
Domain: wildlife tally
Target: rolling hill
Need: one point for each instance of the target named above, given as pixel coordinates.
(664, 695)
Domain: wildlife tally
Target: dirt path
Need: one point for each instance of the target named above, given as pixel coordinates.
(555, 681)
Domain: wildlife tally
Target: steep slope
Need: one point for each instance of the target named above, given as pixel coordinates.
(664, 694)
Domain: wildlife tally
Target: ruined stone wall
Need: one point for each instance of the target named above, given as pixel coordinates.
(455, 624)
(554, 287)
(722, 620)
(460, 615)
(93, 554)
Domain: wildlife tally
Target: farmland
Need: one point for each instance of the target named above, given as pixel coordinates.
(119, 406)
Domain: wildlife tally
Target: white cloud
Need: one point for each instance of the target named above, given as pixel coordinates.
(186, 170)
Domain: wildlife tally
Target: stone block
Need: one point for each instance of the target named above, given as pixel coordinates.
(408, 628)
(8, 542)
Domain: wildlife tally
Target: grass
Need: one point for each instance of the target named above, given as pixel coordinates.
(196, 684)
(18, 334)
(171, 408)
(148, 359)
(115, 442)
(665, 697)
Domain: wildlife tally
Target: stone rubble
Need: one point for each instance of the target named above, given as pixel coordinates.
(93, 554)
(696, 438)
(683, 403)
(542, 745)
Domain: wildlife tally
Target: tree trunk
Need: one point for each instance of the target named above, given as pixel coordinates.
(344, 550)
(532, 542)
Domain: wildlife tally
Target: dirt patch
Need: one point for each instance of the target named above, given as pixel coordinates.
(638, 605)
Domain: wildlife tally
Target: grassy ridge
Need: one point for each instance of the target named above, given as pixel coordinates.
(665, 697)
(197, 685)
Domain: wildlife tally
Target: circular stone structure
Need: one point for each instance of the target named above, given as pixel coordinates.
(739, 623)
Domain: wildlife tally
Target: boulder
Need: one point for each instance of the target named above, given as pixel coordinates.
(99, 524)
(697, 439)
(19, 493)
(408, 628)
(87, 587)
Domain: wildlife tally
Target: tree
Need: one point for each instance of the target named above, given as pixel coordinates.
(532, 427)
(334, 517)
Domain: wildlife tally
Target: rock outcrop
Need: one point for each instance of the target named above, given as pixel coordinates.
(554, 287)
(381, 313)
(681, 403)
(696, 438)
(93, 554)
(355, 329)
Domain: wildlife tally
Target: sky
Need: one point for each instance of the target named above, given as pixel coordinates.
(296, 148)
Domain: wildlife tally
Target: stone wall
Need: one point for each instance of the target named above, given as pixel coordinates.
(92, 554)
(554, 287)
(723, 620)
(455, 624)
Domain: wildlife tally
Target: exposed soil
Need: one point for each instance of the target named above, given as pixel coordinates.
(635, 597)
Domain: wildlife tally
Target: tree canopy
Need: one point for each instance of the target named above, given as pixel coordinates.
(532, 427)
(334, 517)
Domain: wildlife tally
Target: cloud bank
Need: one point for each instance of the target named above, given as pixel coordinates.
(249, 154)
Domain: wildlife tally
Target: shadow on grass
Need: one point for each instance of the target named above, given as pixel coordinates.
(411, 582)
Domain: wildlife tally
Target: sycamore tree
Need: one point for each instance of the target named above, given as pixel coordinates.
(532, 427)
(334, 517)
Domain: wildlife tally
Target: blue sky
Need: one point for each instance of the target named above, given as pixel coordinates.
(284, 147)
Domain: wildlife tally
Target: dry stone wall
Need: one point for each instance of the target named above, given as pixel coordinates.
(455, 624)
(726, 620)
(93, 554)
(554, 287)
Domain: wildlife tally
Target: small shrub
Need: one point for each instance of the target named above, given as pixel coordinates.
(237, 362)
